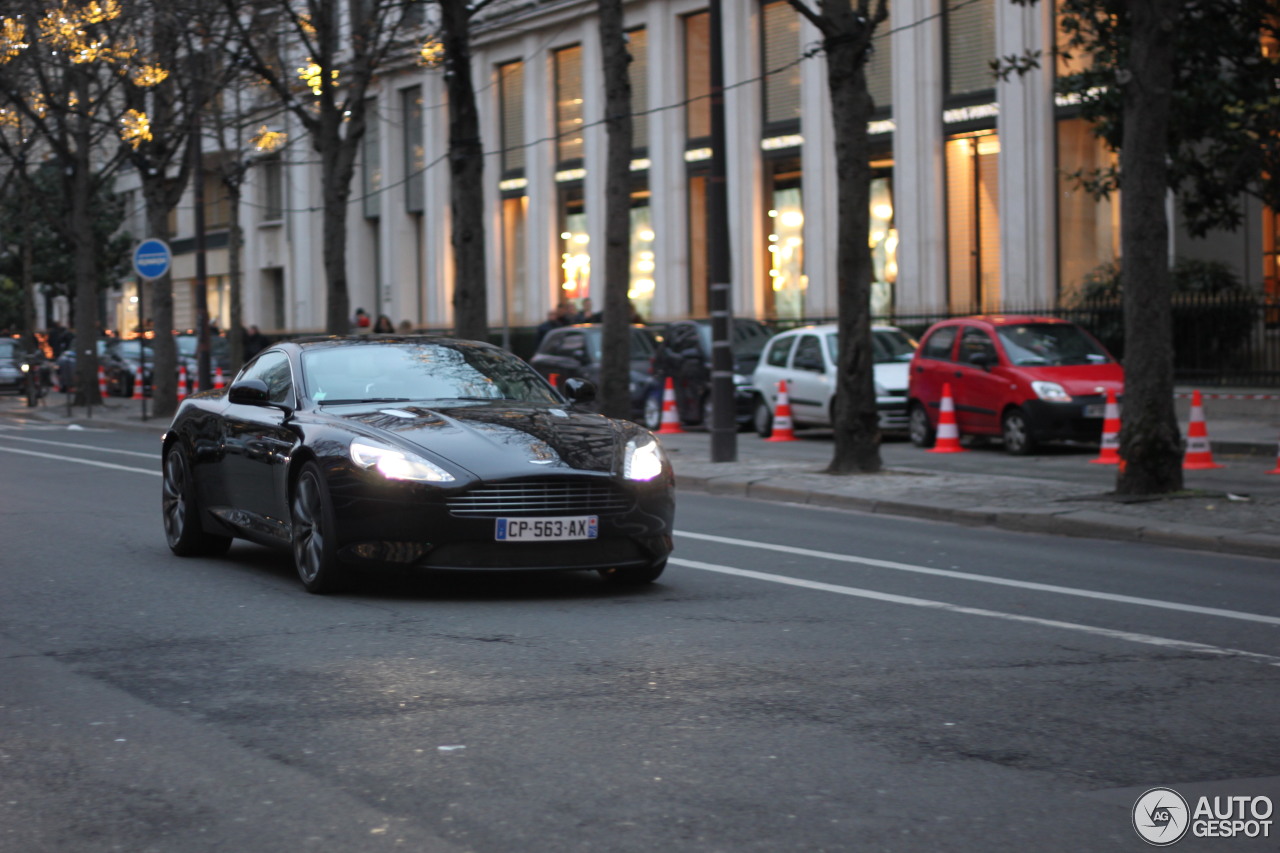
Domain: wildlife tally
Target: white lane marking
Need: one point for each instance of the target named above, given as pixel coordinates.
(85, 447)
(93, 462)
(1147, 639)
(991, 579)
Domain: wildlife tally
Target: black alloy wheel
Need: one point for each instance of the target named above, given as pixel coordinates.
(181, 513)
(919, 428)
(314, 552)
(1018, 439)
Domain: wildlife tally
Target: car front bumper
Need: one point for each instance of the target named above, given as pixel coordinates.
(1074, 421)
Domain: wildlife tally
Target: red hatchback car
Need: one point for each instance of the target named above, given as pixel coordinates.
(1024, 379)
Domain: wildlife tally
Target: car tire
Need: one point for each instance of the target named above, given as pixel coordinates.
(181, 512)
(707, 411)
(634, 575)
(653, 411)
(762, 418)
(315, 555)
(919, 428)
(1016, 432)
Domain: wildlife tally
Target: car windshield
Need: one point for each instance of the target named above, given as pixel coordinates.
(888, 345)
(641, 344)
(404, 371)
(7, 349)
(749, 338)
(132, 349)
(1049, 344)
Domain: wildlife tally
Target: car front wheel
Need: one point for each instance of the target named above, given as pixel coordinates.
(181, 513)
(1018, 439)
(653, 411)
(315, 554)
(919, 428)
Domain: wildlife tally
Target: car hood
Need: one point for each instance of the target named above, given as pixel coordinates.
(892, 375)
(502, 439)
(1081, 380)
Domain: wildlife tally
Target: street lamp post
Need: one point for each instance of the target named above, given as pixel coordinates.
(724, 428)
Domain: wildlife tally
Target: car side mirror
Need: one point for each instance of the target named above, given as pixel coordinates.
(982, 359)
(578, 390)
(249, 392)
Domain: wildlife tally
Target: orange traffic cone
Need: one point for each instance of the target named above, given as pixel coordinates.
(102, 381)
(1276, 470)
(137, 383)
(554, 379)
(782, 427)
(217, 379)
(1110, 454)
(948, 437)
(1198, 456)
(182, 382)
(670, 420)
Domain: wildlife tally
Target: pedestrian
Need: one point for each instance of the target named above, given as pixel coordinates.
(405, 327)
(384, 326)
(360, 323)
(254, 342)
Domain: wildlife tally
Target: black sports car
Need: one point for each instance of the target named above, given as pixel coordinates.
(417, 452)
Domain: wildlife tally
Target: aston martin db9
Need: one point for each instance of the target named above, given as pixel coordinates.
(422, 453)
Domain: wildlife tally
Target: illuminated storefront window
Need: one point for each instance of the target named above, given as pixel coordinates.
(973, 222)
(575, 252)
(784, 297)
(643, 262)
(883, 240)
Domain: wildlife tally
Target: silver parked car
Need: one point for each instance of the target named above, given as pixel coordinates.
(806, 358)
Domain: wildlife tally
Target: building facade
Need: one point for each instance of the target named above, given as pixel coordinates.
(971, 206)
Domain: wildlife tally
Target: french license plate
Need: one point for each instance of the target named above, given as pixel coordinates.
(561, 529)
(1095, 410)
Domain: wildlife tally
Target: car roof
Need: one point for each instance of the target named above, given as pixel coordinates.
(1007, 319)
(323, 341)
(827, 328)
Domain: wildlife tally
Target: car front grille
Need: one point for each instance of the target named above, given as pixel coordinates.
(543, 496)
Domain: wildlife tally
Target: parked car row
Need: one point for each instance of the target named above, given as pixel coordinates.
(1023, 379)
(121, 358)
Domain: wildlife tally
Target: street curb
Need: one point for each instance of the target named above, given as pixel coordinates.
(1064, 522)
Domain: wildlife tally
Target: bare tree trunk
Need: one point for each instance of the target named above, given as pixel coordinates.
(1150, 444)
(615, 372)
(85, 249)
(164, 377)
(337, 158)
(466, 171)
(235, 245)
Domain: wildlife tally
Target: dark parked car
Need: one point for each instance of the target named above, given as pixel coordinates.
(418, 453)
(574, 351)
(120, 360)
(684, 354)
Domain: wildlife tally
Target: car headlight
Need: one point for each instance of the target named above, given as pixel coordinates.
(397, 464)
(1051, 392)
(643, 460)
(26, 368)
(739, 379)
(881, 391)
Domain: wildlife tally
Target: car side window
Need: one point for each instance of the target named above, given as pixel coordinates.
(939, 343)
(976, 341)
(809, 355)
(574, 345)
(272, 368)
(778, 352)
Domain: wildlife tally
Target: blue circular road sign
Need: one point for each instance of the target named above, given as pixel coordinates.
(152, 258)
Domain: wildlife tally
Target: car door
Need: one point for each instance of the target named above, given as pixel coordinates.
(774, 367)
(932, 368)
(686, 361)
(976, 385)
(809, 382)
(257, 442)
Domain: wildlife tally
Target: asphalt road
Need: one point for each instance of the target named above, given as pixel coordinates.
(800, 679)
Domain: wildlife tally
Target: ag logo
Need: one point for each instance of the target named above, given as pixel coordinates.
(1161, 816)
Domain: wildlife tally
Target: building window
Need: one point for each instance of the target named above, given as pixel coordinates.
(643, 262)
(780, 52)
(272, 171)
(699, 305)
(515, 216)
(569, 120)
(217, 202)
(784, 293)
(880, 66)
(638, 73)
(511, 115)
(415, 155)
(575, 252)
(973, 223)
(883, 240)
(273, 316)
(371, 161)
(697, 75)
(1088, 228)
(971, 44)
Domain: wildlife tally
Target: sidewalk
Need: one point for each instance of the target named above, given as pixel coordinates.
(792, 472)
